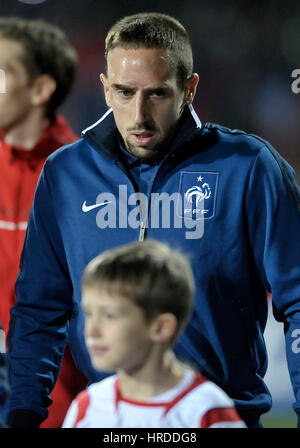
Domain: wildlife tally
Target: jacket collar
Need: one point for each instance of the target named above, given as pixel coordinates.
(104, 133)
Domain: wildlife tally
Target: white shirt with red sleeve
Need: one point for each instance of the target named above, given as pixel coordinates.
(194, 402)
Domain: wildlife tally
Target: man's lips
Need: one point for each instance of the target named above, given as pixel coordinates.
(142, 138)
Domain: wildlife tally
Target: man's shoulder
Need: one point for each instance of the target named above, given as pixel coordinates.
(239, 143)
(67, 154)
(235, 136)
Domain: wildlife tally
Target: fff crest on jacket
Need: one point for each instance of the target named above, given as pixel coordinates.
(198, 190)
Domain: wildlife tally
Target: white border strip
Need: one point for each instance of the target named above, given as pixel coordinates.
(97, 122)
(2, 342)
(192, 110)
(195, 116)
(9, 225)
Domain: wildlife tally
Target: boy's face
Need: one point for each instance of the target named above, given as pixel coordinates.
(117, 334)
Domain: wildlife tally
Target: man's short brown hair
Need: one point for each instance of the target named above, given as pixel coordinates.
(150, 274)
(154, 30)
(46, 51)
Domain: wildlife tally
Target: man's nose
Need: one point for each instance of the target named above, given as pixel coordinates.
(140, 109)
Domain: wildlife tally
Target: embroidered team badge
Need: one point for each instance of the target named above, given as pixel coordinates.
(198, 191)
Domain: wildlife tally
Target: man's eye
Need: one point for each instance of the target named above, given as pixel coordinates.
(158, 93)
(125, 93)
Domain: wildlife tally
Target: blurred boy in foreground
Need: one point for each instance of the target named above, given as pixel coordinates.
(137, 300)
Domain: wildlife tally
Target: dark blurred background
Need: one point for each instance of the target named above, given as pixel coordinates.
(244, 51)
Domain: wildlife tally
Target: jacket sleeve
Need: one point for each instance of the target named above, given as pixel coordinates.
(41, 314)
(273, 210)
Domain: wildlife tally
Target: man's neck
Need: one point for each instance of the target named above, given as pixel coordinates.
(26, 133)
(152, 379)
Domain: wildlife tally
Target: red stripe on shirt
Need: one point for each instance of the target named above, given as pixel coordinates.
(218, 415)
(198, 379)
(82, 401)
(118, 398)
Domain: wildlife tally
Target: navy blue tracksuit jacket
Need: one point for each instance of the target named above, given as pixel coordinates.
(225, 198)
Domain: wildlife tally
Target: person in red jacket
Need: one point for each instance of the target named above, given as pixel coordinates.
(40, 67)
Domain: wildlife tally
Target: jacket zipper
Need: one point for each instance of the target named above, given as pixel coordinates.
(143, 228)
(143, 224)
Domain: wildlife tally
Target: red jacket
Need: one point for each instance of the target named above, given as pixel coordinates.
(19, 173)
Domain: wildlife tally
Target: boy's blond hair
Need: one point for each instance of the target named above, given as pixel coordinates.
(155, 277)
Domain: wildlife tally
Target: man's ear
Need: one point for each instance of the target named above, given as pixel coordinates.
(104, 80)
(42, 89)
(163, 327)
(191, 88)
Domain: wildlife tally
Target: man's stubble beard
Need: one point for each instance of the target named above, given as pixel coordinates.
(156, 153)
(152, 154)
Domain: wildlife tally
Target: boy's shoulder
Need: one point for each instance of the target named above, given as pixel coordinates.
(97, 401)
(98, 396)
(104, 388)
(214, 395)
(211, 394)
(207, 405)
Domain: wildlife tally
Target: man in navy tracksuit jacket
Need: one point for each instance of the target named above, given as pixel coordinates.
(225, 198)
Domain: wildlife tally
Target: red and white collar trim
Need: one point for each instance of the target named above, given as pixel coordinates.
(193, 379)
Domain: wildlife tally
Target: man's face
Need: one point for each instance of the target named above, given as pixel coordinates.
(15, 104)
(142, 89)
(117, 334)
